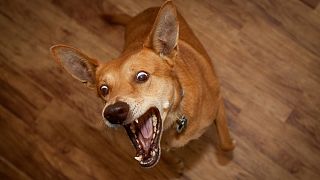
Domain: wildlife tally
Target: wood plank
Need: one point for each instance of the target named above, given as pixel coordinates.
(9, 171)
(281, 143)
(311, 3)
(20, 95)
(20, 149)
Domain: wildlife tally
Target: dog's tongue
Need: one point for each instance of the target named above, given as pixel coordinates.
(145, 134)
(146, 129)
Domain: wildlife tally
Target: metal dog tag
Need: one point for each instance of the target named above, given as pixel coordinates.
(182, 123)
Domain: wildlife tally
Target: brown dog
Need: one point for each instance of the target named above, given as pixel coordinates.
(162, 88)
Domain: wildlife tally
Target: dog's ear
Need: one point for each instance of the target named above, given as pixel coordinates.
(165, 31)
(80, 66)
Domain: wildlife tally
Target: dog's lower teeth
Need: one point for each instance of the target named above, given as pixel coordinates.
(132, 129)
(138, 158)
(153, 136)
(135, 136)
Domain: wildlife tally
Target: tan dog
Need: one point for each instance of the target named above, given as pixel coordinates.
(162, 88)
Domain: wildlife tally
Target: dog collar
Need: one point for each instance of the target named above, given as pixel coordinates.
(182, 123)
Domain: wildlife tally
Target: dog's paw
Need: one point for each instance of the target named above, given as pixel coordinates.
(174, 162)
(177, 165)
(180, 167)
(234, 142)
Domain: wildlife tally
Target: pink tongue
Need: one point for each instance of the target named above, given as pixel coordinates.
(146, 134)
(146, 129)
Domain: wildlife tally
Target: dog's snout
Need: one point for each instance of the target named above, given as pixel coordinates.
(116, 113)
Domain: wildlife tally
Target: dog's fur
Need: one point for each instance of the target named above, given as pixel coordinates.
(182, 78)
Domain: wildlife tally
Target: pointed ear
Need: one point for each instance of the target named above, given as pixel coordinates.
(165, 31)
(80, 66)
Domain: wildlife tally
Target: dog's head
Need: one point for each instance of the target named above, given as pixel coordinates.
(139, 88)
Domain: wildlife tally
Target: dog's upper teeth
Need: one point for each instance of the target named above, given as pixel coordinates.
(166, 105)
(153, 153)
(138, 158)
(132, 128)
(136, 121)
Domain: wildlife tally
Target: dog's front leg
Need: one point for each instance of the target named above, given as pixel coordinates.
(173, 161)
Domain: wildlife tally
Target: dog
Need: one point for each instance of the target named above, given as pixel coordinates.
(162, 89)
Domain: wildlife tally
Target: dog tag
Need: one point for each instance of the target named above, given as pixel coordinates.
(181, 124)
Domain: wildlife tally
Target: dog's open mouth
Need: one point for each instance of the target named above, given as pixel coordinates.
(145, 134)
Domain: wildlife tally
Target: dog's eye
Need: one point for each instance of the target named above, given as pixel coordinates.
(142, 76)
(104, 90)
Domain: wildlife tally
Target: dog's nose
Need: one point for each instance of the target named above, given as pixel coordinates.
(116, 113)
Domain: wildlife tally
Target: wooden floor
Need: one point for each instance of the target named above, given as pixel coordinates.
(266, 53)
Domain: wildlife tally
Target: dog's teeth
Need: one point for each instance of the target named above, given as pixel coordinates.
(153, 136)
(154, 122)
(166, 105)
(154, 129)
(132, 128)
(153, 153)
(136, 121)
(157, 131)
(138, 158)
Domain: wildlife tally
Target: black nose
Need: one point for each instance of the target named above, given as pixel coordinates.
(116, 113)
